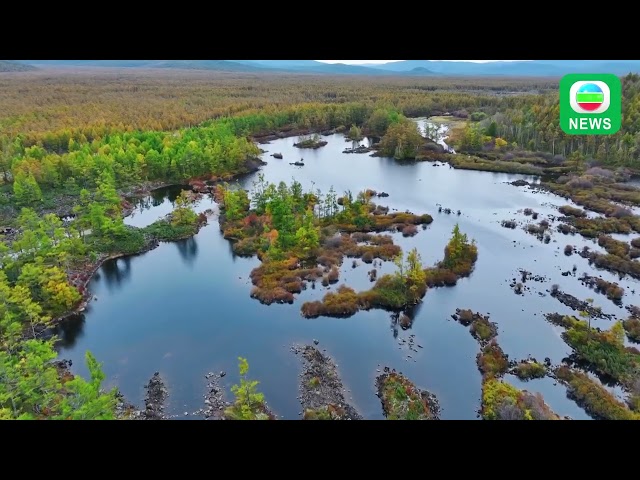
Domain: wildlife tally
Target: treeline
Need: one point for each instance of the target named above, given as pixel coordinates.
(215, 148)
(535, 125)
(43, 106)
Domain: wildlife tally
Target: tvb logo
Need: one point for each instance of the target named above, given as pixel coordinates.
(590, 104)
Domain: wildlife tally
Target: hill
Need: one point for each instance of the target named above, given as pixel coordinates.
(518, 68)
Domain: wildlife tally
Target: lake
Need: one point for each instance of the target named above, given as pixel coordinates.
(184, 308)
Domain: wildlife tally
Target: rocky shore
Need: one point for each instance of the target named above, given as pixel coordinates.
(321, 390)
(214, 399)
(402, 400)
(155, 399)
(578, 305)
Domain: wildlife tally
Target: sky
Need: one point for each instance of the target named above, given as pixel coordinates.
(357, 62)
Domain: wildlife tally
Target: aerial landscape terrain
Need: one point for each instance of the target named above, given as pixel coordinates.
(295, 239)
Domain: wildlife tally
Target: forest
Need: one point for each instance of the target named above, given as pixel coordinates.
(79, 139)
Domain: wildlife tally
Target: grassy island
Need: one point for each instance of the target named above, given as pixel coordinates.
(303, 237)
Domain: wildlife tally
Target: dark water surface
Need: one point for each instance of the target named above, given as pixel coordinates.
(184, 309)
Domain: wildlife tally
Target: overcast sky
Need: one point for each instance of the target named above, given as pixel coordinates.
(355, 62)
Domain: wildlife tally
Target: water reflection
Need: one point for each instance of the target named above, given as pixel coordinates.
(159, 203)
(201, 311)
(156, 198)
(70, 330)
(116, 272)
(188, 250)
(404, 320)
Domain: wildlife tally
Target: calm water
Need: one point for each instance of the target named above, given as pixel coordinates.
(160, 203)
(184, 309)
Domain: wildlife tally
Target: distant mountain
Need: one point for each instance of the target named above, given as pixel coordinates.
(90, 63)
(224, 65)
(421, 71)
(530, 68)
(12, 66)
(264, 66)
(283, 64)
(551, 68)
(313, 66)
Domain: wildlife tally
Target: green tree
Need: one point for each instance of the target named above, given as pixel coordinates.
(307, 236)
(416, 276)
(85, 400)
(249, 403)
(183, 213)
(26, 189)
(107, 195)
(402, 140)
(492, 130)
(355, 133)
(236, 203)
(7, 152)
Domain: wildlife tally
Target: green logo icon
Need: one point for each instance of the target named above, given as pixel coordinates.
(590, 104)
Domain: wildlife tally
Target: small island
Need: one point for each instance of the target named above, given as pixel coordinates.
(303, 237)
(311, 142)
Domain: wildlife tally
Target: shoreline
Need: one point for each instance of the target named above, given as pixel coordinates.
(251, 166)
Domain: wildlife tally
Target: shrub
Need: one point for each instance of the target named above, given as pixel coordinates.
(568, 250)
(342, 303)
(613, 246)
(492, 361)
(409, 231)
(620, 212)
(273, 295)
(565, 229)
(367, 257)
(595, 399)
(632, 328)
(580, 183)
(570, 211)
(530, 370)
(600, 172)
(333, 275)
(482, 329)
(465, 317)
(440, 277)
(402, 400)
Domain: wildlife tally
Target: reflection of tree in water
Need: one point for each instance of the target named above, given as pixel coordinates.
(404, 320)
(156, 198)
(70, 330)
(116, 271)
(188, 250)
(395, 317)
